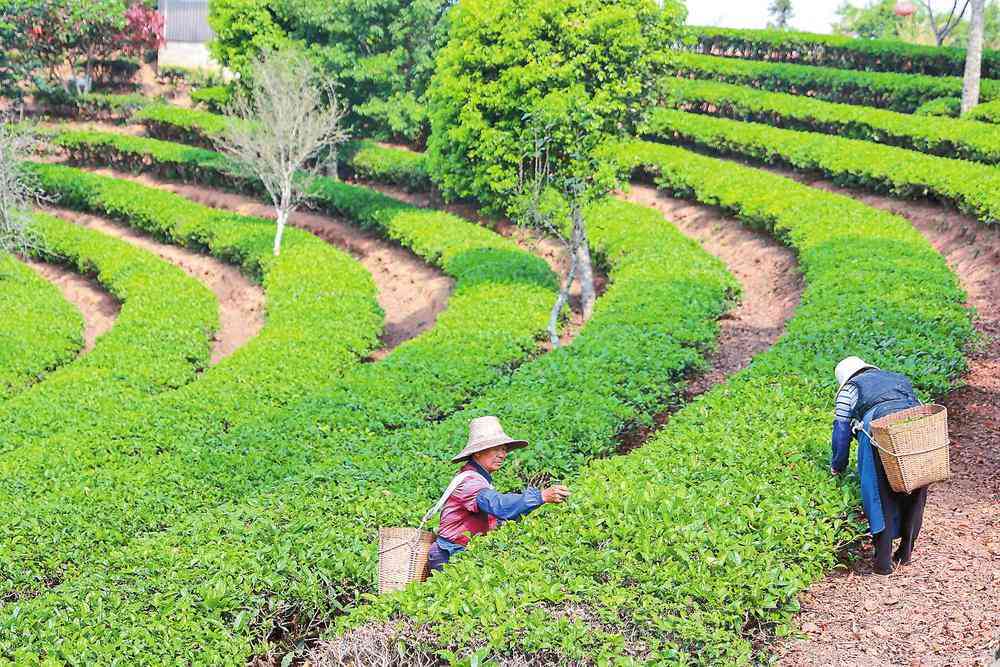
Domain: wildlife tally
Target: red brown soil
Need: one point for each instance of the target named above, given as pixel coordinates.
(241, 302)
(547, 248)
(943, 608)
(98, 307)
(411, 292)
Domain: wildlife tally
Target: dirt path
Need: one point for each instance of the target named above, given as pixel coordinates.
(944, 608)
(98, 307)
(411, 292)
(547, 248)
(241, 302)
(768, 271)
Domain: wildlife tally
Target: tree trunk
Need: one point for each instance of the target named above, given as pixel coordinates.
(563, 297)
(282, 219)
(974, 57)
(588, 294)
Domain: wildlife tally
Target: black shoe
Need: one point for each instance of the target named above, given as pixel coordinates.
(902, 557)
(886, 571)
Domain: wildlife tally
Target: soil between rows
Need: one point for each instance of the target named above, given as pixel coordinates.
(99, 308)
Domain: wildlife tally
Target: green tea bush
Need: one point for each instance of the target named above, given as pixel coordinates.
(938, 136)
(506, 59)
(213, 98)
(681, 551)
(899, 92)
(91, 106)
(189, 126)
(987, 112)
(159, 342)
(949, 107)
(972, 188)
(41, 331)
(301, 550)
(370, 161)
(805, 48)
(215, 442)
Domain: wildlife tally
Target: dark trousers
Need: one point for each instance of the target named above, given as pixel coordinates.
(910, 507)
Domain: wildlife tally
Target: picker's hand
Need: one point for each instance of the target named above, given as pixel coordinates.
(555, 494)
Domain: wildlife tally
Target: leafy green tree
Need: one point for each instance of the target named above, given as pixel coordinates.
(781, 13)
(380, 51)
(508, 60)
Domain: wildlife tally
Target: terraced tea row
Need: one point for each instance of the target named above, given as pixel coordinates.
(303, 548)
(41, 331)
(899, 92)
(947, 137)
(677, 552)
(970, 187)
(160, 340)
(183, 452)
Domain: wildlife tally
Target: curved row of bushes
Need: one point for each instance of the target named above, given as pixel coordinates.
(971, 187)
(188, 126)
(899, 92)
(947, 137)
(987, 112)
(41, 330)
(159, 342)
(181, 454)
(880, 55)
(683, 550)
(213, 588)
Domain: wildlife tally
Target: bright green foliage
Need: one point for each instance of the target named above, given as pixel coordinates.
(213, 98)
(987, 112)
(159, 342)
(595, 60)
(91, 106)
(382, 53)
(805, 48)
(670, 554)
(188, 126)
(950, 107)
(200, 447)
(41, 330)
(211, 589)
(939, 136)
(899, 92)
(370, 161)
(972, 188)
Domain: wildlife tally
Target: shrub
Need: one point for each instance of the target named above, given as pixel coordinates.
(881, 55)
(91, 106)
(938, 136)
(987, 112)
(950, 107)
(899, 92)
(506, 59)
(189, 126)
(213, 98)
(370, 161)
(972, 188)
(41, 332)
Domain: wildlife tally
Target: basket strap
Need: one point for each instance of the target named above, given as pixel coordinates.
(458, 479)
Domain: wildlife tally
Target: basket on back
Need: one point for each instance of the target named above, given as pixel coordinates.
(913, 446)
(402, 557)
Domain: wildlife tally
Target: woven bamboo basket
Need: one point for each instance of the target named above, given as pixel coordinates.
(913, 446)
(402, 557)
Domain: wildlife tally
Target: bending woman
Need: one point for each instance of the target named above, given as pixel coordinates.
(474, 506)
(866, 394)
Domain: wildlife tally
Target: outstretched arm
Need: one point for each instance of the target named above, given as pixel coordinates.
(509, 506)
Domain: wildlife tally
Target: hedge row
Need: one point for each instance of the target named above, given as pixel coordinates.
(213, 98)
(947, 137)
(165, 465)
(159, 342)
(680, 551)
(972, 188)
(950, 107)
(213, 589)
(987, 112)
(41, 331)
(92, 106)
(189, 126)
(880, 55)
(899, 92)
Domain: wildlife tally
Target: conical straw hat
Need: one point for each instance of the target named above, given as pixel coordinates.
(486, 433)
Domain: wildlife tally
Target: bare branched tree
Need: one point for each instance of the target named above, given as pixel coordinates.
(940, 25)
(17, 190)
(289, 121)
(974, 57)
(553, 202)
